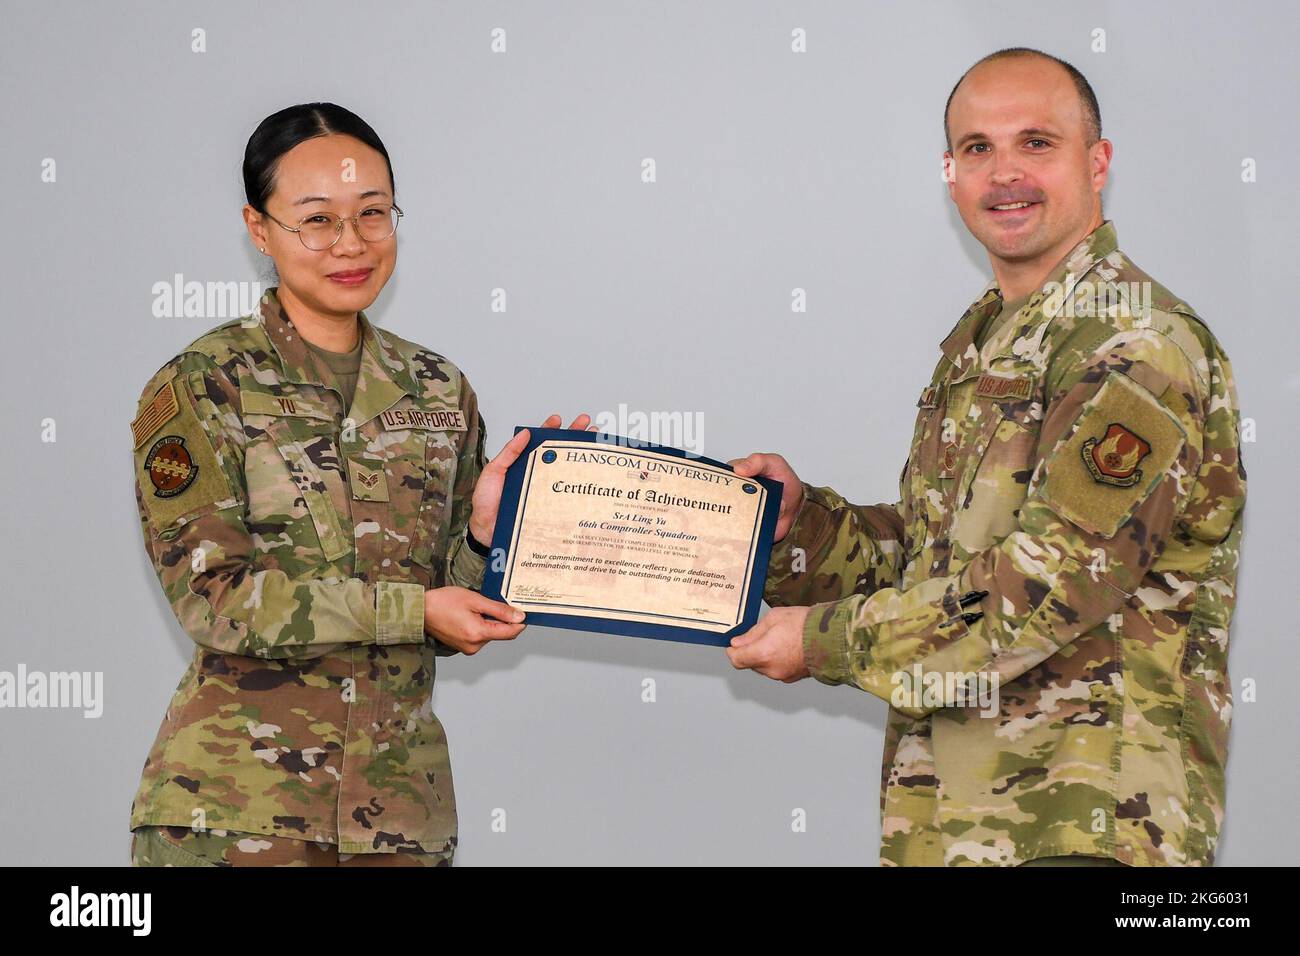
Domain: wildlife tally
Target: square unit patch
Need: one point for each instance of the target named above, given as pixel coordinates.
(178, 472)
(1122, 444)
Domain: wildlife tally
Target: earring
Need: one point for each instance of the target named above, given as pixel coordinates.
(264, 248)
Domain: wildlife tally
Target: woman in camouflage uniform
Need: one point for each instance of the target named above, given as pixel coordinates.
(314, 496)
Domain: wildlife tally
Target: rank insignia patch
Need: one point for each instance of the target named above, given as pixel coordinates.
(368, 484)
(170, 466)
(1113, 458)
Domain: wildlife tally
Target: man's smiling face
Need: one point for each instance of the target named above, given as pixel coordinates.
(1024, 178)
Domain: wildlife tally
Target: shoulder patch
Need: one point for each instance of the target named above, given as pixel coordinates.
(1123, 443)
(1113, 459)
(155, 412)
(178, 473)
(170, 466)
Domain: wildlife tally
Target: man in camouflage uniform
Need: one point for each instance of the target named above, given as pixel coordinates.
(1067, 533)
(295, 537)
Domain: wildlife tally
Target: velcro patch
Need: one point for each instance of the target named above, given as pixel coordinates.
(439, 420)
(179, 473)
(170, 466)
(154, 415)
(368, 484)
(1123, 443)
(1000, 386)
(1113, 459)
(264, 403)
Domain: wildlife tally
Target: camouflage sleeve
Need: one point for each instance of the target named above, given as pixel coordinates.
(192, 501)
(835, 549)
(1118, 457)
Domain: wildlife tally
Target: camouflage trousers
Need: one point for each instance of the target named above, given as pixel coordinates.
(182, 846)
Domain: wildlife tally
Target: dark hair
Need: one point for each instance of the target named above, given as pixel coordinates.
(1091, 111)
(282, 131)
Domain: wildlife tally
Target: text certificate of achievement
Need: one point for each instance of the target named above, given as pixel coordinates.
(601, 533)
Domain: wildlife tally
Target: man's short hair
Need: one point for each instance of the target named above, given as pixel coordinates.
(1091, 111)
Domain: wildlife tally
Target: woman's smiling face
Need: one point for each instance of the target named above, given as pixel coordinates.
(335, 174)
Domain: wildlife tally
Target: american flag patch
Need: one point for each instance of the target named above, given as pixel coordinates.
(155, 414)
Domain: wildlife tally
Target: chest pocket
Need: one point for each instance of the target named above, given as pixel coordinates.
(291, 470)
(921, 458)
(993, 476)
(437, 482)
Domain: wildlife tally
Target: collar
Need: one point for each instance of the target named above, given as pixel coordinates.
(1022, 336)
(383, 378)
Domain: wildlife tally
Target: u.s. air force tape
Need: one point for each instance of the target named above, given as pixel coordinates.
(1001, 386)
(438, 420)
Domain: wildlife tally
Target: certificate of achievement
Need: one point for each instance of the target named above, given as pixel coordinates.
(601, 533)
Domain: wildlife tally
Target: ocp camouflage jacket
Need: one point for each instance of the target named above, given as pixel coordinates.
(1067, 531)
(294, 540)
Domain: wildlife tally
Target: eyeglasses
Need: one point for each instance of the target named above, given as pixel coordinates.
(321, 230)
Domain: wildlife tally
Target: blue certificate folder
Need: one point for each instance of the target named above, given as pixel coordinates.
(503, 534)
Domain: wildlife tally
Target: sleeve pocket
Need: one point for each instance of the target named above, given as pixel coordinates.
(1119, 449)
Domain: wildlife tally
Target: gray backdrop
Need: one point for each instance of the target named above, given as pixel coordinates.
(522, 170)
